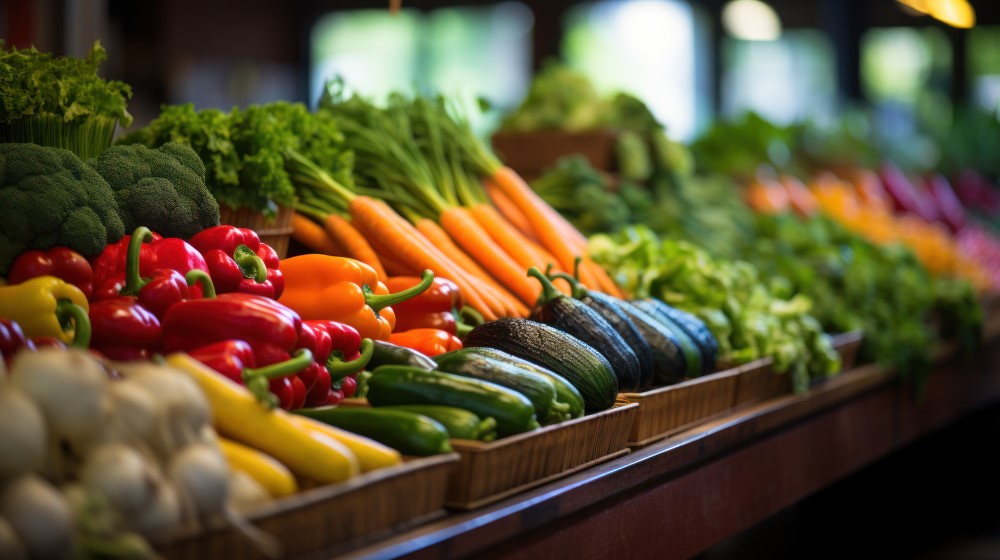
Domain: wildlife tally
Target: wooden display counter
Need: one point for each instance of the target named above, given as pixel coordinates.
(681, 495)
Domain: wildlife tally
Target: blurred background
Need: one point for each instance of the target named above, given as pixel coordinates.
(908, 63)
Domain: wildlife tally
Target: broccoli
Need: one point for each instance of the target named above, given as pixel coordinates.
(49, 197)
(162, 189)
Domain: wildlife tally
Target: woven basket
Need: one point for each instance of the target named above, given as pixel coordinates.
(488, 472)
(665, 411)
(352, 513)
(275, 232)
(847, 345)
(757, 381)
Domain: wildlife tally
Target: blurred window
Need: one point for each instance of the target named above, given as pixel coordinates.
(466, 53)
(984, 66)
(648, 48)
(786, 80)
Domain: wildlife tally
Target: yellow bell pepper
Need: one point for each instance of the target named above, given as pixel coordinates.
(48, 306)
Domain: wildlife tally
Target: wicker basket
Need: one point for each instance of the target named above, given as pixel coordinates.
(276, 232)
(665, 411)
(488, 472)
(757, 381)
(355, 512)
(847, 345)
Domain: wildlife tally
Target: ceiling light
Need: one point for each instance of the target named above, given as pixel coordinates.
(751, 20)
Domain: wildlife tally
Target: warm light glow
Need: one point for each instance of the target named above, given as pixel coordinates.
(956, 13)
(751, 20)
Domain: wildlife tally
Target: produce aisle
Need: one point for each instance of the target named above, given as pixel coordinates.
(678, 497)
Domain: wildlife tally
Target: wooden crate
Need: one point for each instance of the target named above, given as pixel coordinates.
(665, 411)
(488, 472)
(529, 153)
(276, 233)
(757, 381)
(360, 510)
(848, 345)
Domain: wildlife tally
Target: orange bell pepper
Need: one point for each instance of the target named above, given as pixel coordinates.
(429, 342)
(324, 287)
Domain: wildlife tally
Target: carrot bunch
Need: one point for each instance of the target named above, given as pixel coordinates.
(429, 195)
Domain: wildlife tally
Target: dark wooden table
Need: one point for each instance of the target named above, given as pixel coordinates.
(677, 497)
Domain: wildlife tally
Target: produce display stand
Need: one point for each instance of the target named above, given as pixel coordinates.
(682, 494)
(365, 508)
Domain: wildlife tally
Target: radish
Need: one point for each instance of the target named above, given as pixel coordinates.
(23, 436)
(123, 476)
(40, 517)
(10, 546)
(68, 385)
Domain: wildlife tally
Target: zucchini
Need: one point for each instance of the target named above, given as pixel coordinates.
(460, 423)
(575, 318)
(539, 389)
(699, 330)
(406, 432)
(565, 391)
(549, 347)
(613, 314)
(391, 385)
(386, 353)
(670, 361)
(692, 350)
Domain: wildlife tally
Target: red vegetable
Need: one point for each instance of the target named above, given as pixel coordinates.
(435, 308)
(160, 253)
(429, 342)
(348, 355)
(122, 329)
(61, 262)
(239, 262)
(12, 339)
(235, 360)
(949, 207)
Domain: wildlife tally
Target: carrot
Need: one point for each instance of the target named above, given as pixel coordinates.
(604, 281)
(509, 210)
(553, 231)
(469, 235)
(355, 245)
(393, 265)
(440, 239)
(313, 236)
(388, 229)
(511, 240)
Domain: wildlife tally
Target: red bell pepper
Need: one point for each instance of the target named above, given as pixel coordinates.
(122, 329)
(348, 355)
(61, 262)
(429, 342)
(435, 308)
(160, 253)
(239, 262)
(12, 339)
(235, 360)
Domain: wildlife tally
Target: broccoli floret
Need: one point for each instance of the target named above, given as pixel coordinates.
(49, 197)
(162, 189)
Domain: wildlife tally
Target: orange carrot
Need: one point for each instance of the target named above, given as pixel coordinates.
(381, 223)
(313, 236)
(604, 281)
(440, 239)
(509, 210)
(511, 240)
(354, 244)
(469, 235)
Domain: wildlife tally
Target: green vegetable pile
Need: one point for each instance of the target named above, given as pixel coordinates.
(60, 101)
(744, 315)
(854, 284)
(247, 151)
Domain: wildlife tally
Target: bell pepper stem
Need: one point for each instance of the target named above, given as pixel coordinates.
(256, 379)
(134, 282)
(549, 291)
(251, 265)
(339, 368)
(69, 311)
(577, 289)
(380, 302)
(195, 276)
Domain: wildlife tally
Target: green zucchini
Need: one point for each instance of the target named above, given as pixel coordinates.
(460, 423)
(386, 353)
(698, 330)
(565, 391)
(407, 432)
(391, 385)
(539, 389)
(549, 347)
(573, 317)
(671, 364)
(611, 311)
(692, 350)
